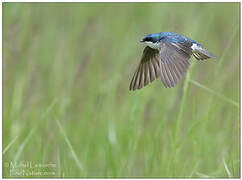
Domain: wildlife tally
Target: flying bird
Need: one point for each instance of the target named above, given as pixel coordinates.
(166, 56)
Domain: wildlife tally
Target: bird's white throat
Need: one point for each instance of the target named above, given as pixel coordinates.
(152, 45)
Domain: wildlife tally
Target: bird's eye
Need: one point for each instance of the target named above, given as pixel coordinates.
(148, 39)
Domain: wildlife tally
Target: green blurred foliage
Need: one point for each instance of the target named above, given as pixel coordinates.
(72, 63)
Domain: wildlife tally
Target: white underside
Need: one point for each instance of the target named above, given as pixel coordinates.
(152, 45)
(195, 47)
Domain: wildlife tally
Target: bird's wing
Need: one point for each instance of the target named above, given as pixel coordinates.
(174, 62)
(148, 70)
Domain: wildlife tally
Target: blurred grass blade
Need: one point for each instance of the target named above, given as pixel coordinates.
(182, 105)
(58, 163)
(112, 135)
(194, 169)
(178, 125)
(9, 145)
(19, 152)
(78, 162)
(50, 107)
(215, 93)
(203, 175)
(226, 168)
(225, 52)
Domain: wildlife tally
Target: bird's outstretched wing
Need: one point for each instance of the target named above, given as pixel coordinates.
(170, 63)
(174, 61)
(148, 70)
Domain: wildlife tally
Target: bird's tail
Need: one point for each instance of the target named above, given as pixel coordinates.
(200, 53)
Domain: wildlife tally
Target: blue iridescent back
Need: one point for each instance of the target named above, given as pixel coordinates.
(174, 37)
(170, 37)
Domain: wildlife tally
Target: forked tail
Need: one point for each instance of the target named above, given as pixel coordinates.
(200, 53)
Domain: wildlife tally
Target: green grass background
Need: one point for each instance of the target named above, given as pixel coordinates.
(66, 73)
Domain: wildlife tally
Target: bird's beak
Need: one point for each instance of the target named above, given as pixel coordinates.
(142, 40)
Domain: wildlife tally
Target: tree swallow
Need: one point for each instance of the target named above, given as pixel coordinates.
(166, 56)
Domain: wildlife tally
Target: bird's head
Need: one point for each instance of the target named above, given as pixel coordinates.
(154, 37)
(152, 40)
